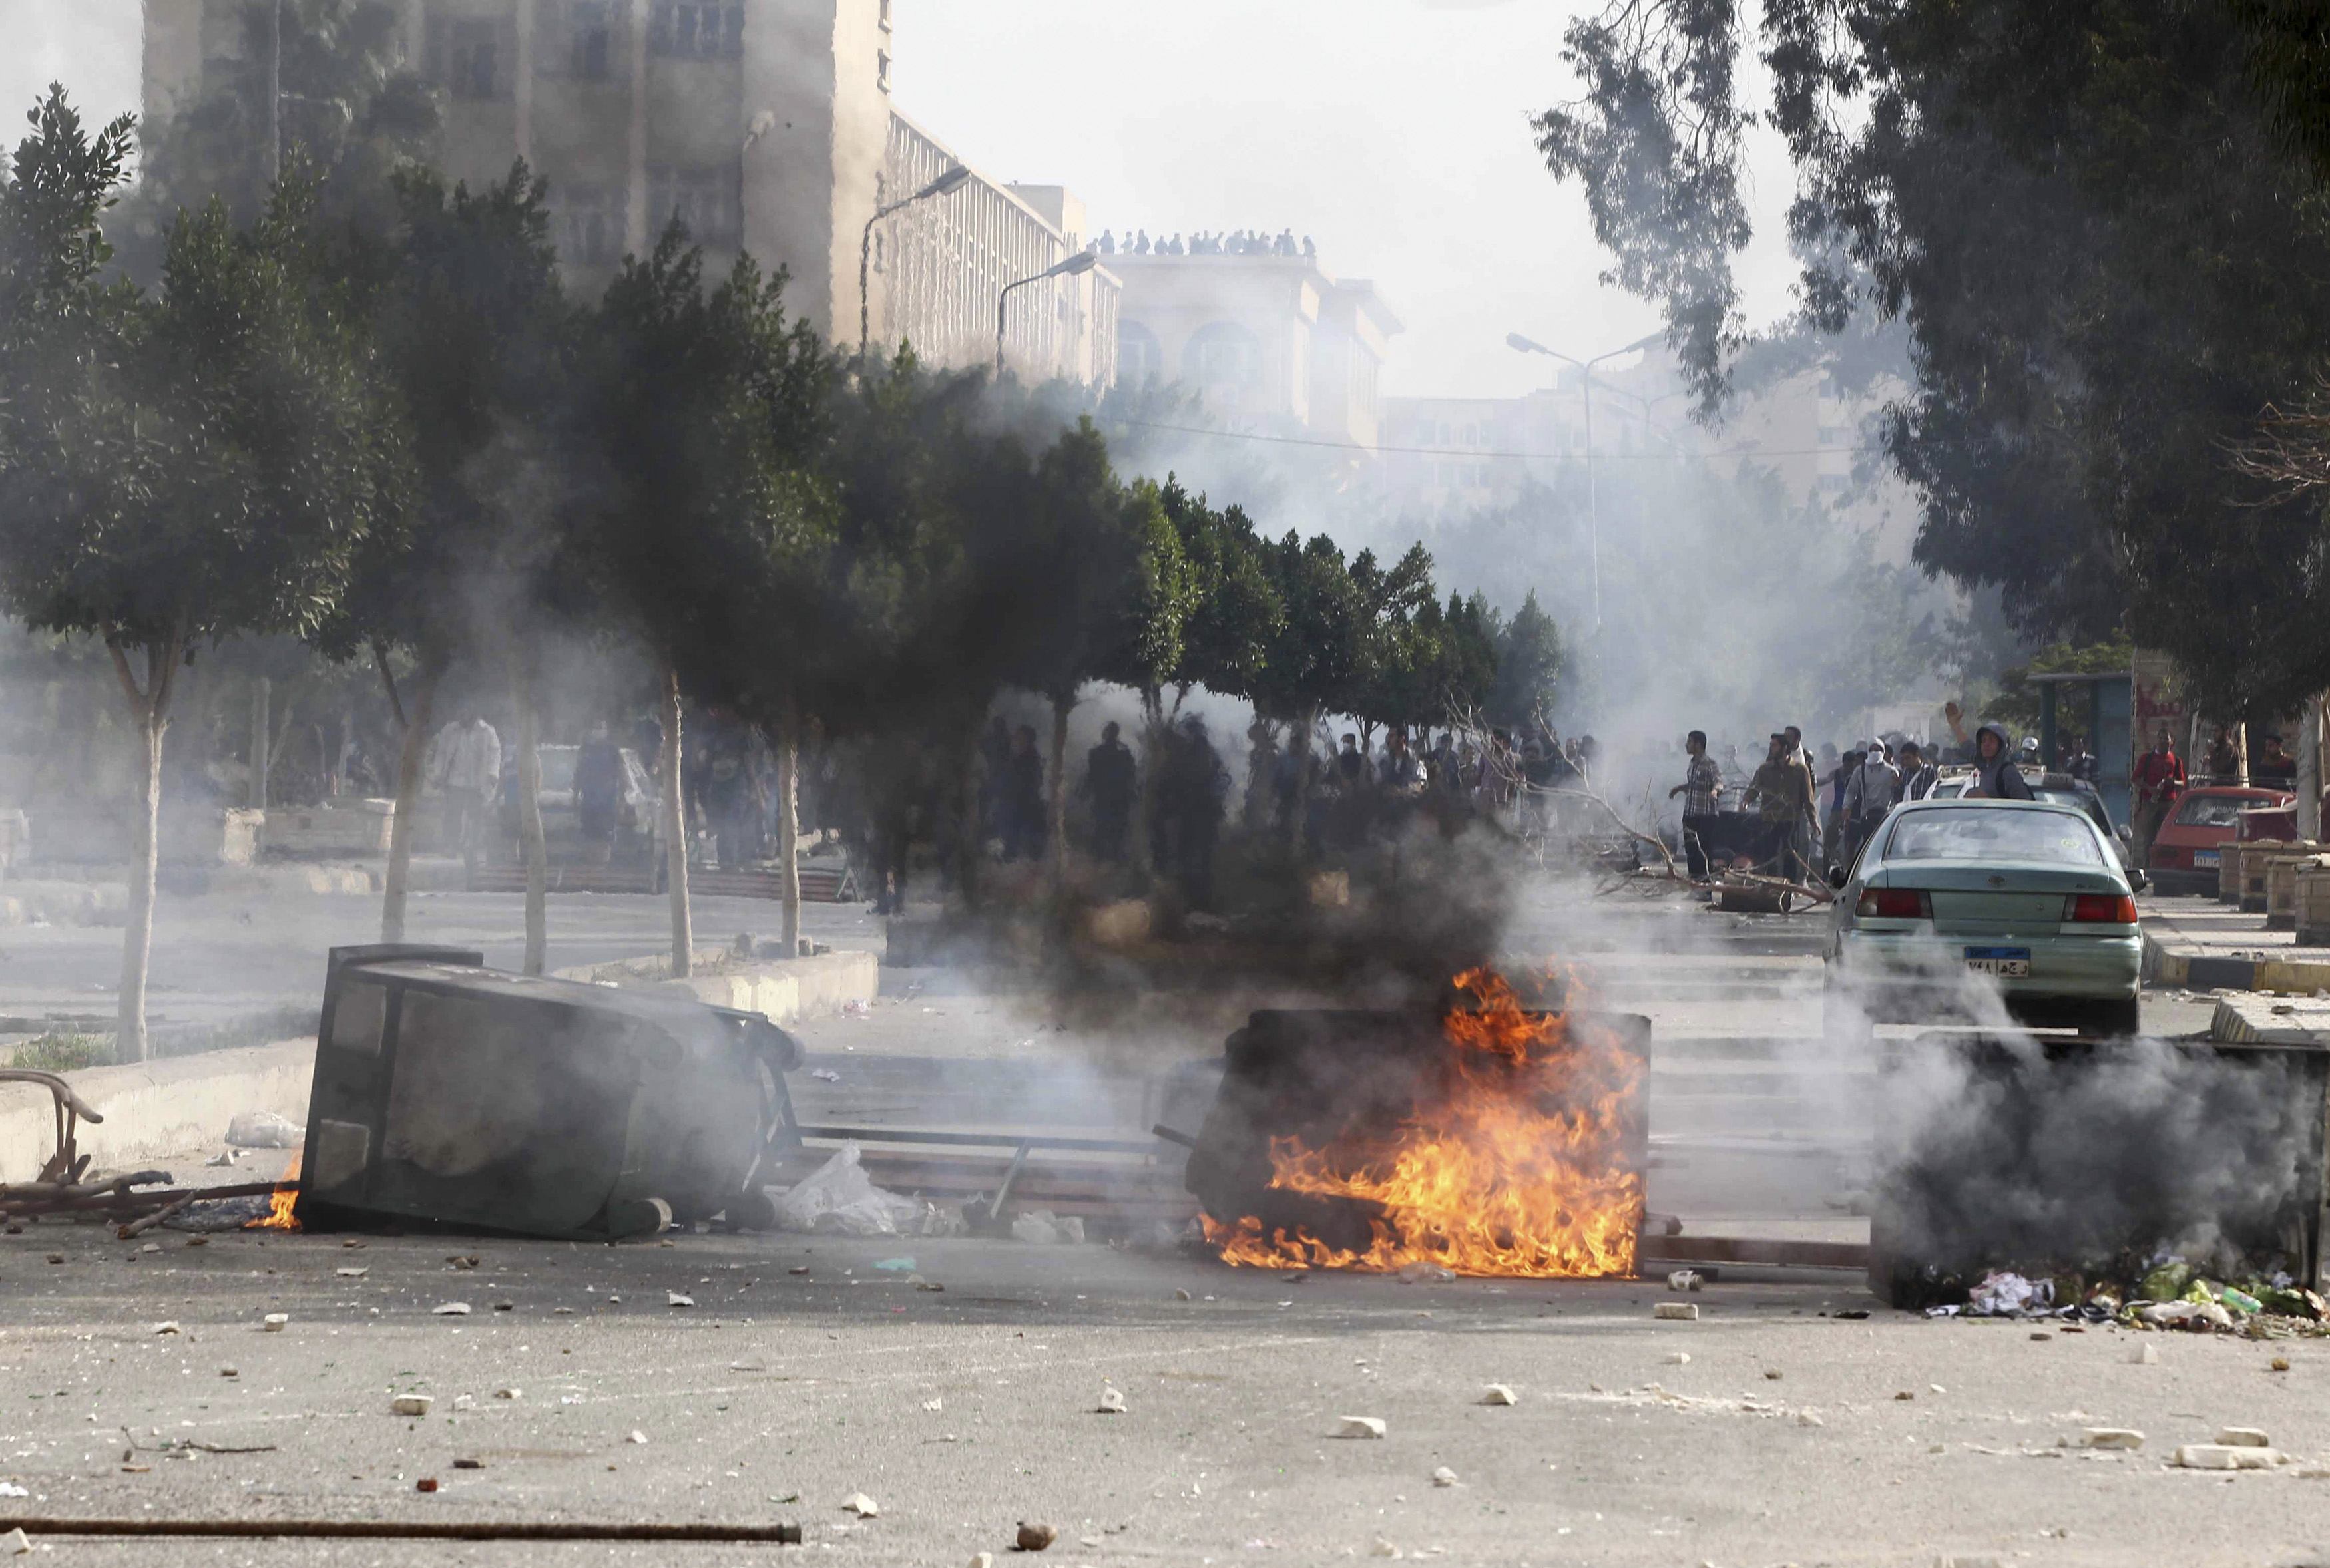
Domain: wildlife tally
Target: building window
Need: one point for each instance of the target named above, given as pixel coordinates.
(710, 202)
(885, 15)
(1138, 354)
(882, 69)
(590, 226)
(1472, 435)
(469, 62)
(697, 29)
(1223, 355)
(1443, 437)
(589, 33)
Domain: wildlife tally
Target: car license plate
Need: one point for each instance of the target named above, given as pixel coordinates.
(2012, 963)
(2206, 859)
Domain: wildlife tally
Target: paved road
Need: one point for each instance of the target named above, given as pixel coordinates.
(965, 1411)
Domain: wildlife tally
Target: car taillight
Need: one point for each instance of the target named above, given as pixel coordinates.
(2101, 909)
(1895, 903)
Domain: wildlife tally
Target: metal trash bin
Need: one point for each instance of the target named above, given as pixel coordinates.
(448, 1092)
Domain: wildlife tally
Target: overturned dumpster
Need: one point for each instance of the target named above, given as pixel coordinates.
(447, 1092)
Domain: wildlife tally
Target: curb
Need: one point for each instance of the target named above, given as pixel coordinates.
(2201, 971)
(157, 1107)
(782, 990)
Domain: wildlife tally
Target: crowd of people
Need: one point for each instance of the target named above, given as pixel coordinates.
(1237, 243)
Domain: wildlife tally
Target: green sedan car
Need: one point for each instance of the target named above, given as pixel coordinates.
(1952, 901)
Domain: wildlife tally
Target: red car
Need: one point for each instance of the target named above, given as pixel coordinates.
(2185, 855)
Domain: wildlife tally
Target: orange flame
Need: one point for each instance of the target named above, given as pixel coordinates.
(1520, 1169)
(281, 1202)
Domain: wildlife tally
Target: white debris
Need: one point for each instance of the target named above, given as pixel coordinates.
(859, 1503)
(264, 1129)
(151, 1247)
(1111, 1401)
(2244, 1436)
(1498, 1394)
(1678, 1359)
(410, 1404)
(273, 1322)
(982, 1560)
(11, 1490)
(2146, 1354)
(637, 1436)
(229, 1157)
(825, 1074)
(838, 1198)
(2226, 1456)
(1443, 1476)
(1425, 1274)
(451, 1309)
(1037, 1230)
(2185, 1315)
(1684, 1280)
(934, 1405)
(170, 1327)
(15, 1543)
(352, 1273)
(674, 1298)
(506, 1393)
(1677, 1311)
(465, 1401)
(1807, 1418)
(1383, 1548)
(2111, 1437)
(1362, 1426)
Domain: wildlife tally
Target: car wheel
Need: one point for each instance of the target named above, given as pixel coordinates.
(2112, 1020)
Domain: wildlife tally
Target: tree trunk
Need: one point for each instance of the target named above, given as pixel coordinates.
(789, 886)
(403, 826)
(1153, 748)
(256, 795)
(2240, 755)
(675, 827)
(150, 707)
(1306, 724)
(1057, 802)
(2309, 772)
(971, 842)
(529, 815)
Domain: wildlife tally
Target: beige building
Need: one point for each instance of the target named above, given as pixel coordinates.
(1267, 338)
(767, 125)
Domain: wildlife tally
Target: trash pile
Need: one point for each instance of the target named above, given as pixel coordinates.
(2164, 1291)
(838, 1198)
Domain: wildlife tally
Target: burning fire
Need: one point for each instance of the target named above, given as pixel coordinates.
(1519, 1169)
(281, 1203)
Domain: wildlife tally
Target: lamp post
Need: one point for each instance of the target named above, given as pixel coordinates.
(1515, 341)
(1081, 262)
(955, 179)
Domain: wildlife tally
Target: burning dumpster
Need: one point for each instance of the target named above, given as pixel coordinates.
(1489, 1137)
(2088, 1163)
(449, 1093)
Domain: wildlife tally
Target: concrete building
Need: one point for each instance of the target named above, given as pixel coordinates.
(766, 125)
(1478, 454)
(1269, 339)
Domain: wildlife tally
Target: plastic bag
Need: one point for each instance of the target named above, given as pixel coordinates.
(838, 1198)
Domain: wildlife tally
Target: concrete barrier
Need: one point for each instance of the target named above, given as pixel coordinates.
(783, 991)
(156, 1109)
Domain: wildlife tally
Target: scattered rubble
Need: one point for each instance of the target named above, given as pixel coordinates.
(1678, 1359)
(1425, 1274)
(450, 1309)
(674, 1298)
(1498, 1394)
(1684, 1280)
(1443, 1476)
(2226, 1456)
(1383, 1548)
(859, 1503)
(15, 1543)
(273, 1322)
(2146, 1354)
(264, 1129)
(1036, 1537)
(1677, 1311)
(2244, 1436)
(2111, 1437)
(410, 1404)
(1360, 1426)
(1111, 1401)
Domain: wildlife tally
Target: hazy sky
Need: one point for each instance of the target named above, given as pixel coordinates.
(1395, 131)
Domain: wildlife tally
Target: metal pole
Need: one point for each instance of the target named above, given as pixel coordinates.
(275, 94)
(1003, 301)
(1593, 501)
(864, 277)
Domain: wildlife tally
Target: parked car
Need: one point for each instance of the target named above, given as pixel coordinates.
(2184, 852)
(1950, 896)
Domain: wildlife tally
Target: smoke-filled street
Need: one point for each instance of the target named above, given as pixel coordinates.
(910, 781)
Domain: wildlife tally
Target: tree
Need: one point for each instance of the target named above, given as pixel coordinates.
(175, 468)
(712, 528)
(2109, 258)
(464, 299)
(1528, 664)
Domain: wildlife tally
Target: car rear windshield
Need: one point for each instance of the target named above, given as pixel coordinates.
(2213, 810)
(1979, 832)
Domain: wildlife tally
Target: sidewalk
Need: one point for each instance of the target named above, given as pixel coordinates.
(2205, 946)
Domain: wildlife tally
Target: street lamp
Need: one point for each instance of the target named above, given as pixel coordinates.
(1519, 345)
(1081, 262)
(955, 179)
